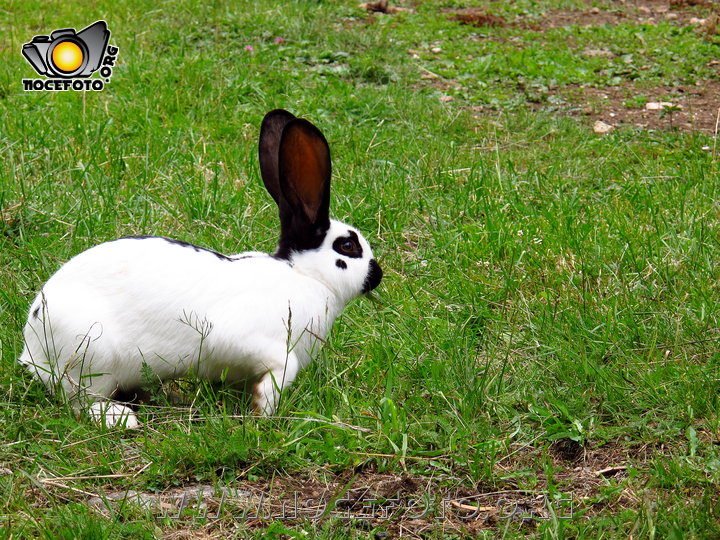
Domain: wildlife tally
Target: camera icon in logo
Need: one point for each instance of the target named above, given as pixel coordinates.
(66, 53)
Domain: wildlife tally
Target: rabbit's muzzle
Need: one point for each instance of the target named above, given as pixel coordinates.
(373, 278)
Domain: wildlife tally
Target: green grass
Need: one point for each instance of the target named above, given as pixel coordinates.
(550, 299)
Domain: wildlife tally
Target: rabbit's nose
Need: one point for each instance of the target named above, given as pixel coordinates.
(374, 276)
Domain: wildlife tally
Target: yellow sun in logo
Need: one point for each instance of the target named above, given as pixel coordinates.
(67, 56)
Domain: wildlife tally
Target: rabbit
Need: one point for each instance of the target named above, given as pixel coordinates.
(255, 319)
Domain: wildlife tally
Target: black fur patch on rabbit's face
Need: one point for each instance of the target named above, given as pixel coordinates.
(373, 278)
(348, 246)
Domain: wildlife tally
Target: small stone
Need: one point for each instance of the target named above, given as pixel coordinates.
(659, 105)
(601, 127)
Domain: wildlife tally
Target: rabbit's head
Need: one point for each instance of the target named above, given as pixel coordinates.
(296, 169)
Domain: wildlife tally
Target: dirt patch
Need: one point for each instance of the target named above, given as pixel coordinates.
(687, 108)
(475, 17)
(568, 450)
(394, 504)
(641, 12)
(652, 12)
(383, 6)
(375, 501)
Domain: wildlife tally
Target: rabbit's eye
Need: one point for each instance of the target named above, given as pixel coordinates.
(348, 246)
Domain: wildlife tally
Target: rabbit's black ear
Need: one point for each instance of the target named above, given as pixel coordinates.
(304, 174)
(268, 149)
(305, 169)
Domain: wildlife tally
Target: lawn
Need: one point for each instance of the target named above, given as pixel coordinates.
(541, 358)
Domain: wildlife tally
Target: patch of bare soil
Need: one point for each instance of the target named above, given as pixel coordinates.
(383, 6)
(683, 12)
(475, 17)
(397, 504)
(685, 108)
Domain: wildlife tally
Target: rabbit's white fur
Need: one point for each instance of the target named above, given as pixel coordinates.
(179, 309)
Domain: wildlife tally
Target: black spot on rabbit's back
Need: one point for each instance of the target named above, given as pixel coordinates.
(181, 243)
(36, 312)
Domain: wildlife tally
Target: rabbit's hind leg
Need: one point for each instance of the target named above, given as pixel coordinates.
(113, 414)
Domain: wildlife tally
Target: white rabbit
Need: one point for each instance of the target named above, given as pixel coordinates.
(135, 303)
